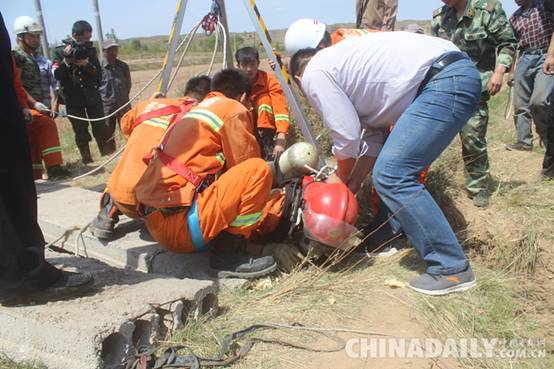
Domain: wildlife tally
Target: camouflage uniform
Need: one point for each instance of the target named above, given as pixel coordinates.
(481, 32)
(30, 73)
(376, 14)
(42, 131)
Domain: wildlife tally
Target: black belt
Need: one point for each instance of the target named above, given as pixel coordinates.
(442, 62)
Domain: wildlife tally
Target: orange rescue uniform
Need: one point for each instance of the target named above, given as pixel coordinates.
(142, 136)
(213, 138)
(269, 103)
(344, 33)
(41, 132)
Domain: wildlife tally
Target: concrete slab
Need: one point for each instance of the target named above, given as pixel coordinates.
(127, 309)
(62, 207)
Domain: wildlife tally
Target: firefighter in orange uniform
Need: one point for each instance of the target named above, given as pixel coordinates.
(143, 127)
(42, 134)
(269, 103)
(206, 181)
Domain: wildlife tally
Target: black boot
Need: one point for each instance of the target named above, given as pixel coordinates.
(232, 262)
(103, 225)
(85, 154)
(57, 172)
(108, 147)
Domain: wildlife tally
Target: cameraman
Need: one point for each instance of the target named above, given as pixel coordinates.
(77, 68)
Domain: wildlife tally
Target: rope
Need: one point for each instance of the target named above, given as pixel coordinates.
(190, 36)
(124, 105)
(98, 168)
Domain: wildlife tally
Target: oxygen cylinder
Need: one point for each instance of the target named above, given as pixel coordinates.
(292, 162)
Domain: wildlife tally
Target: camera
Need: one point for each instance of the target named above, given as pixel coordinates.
(78, 51)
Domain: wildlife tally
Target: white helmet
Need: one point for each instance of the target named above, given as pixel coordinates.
(25, 24)
(304, 33)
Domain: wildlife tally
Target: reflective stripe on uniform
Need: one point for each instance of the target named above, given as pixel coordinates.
(247, 220)
(157, 122)
(51, 150)
(283, 117)
(206, 116)
(266, 108)
(38, 166)
(220, 157)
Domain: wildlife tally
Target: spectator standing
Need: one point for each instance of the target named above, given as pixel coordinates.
(77, 68)
(480, 29)
(116, 84)
(39, 85)
(376, 14)
(533, 24)
(24, 272)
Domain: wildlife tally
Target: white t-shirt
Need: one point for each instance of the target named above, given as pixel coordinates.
(366, 83)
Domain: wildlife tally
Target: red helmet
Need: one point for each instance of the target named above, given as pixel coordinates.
(330, 212)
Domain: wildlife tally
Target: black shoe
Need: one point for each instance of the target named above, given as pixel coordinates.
(103, 225)
(518, 146)
(85, 154)
(57, 172)
(481, 199)
(548, 174)
(68, 285)
(238, 264)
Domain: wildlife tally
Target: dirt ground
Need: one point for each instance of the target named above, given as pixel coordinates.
(391, 311)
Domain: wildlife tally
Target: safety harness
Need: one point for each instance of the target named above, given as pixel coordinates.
(185, 172)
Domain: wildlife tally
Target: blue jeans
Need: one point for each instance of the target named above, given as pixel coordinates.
(420, 135)
(532, 97)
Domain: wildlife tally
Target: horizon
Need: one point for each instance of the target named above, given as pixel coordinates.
(142, 18)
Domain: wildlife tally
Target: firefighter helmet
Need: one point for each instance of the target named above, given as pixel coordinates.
(25, 24)
(330, 212)
(304, 33)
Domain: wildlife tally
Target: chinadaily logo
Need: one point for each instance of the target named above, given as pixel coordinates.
(364, 348)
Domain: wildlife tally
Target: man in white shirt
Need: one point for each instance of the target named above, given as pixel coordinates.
(428, 89)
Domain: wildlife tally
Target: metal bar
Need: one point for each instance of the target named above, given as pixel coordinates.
(43, 37)
(282, 76)
(99, 32)
(172, 45)
(228, 50)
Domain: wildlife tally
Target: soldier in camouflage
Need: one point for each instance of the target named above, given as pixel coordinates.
(481, 29)
(41, 129)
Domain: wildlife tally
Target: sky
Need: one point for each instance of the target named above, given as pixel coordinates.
(137, 18)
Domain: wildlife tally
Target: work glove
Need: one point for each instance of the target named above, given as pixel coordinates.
(27, 116)
(41, 107)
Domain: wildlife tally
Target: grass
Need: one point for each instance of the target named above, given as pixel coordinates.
(506, 244)
(8, 363)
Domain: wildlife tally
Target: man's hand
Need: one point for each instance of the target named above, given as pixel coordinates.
(495, 83)
(510, 79)
(27, 115)
(548, 67)
(54, 110)
(333, 179)
(157, 95)
(42, 108)
(280, 143)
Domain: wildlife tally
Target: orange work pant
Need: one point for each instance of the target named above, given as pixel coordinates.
(44, 142)
(233, 203)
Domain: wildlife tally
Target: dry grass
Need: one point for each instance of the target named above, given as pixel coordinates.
(506, 243)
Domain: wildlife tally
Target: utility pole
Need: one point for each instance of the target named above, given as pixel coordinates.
(43, 37)
(100, 34)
